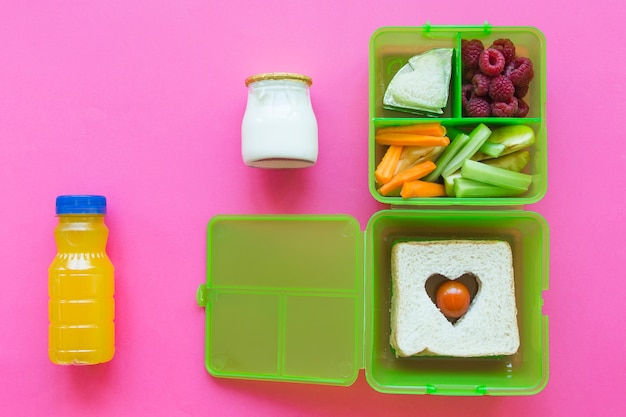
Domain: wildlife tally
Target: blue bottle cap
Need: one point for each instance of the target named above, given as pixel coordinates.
(81, 204)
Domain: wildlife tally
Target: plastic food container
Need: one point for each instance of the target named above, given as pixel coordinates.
(391, 47)
(305, 298)
(302, 299)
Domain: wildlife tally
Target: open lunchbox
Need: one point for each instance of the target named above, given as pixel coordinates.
(306, 298)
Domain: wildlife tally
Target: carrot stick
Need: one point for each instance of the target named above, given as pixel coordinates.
(422, 189)
(410, 139)
(387, 166)
(430, 129)
(414, 173)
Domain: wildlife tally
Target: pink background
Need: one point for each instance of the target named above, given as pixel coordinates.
(142, 101)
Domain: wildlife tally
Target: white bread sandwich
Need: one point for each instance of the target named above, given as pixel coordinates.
(422, 85)
(418, 327)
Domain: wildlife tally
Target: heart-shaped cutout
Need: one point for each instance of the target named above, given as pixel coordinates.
(467, 280)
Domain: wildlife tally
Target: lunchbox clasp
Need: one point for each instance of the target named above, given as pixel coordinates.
(485, 27)
(202, 295)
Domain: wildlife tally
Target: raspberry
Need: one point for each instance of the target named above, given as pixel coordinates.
(501, 88)
(507, 48)
(470, 52)
(478, 107)
(466, 94)
(520, 71)
(468, 74)
(521, 91)
(491, 62)
(505, 108)
(522, 108)
(480, 84)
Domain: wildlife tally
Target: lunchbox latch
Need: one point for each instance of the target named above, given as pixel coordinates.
(202, 295)
(485, 27)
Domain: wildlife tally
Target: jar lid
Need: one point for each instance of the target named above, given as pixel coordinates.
(81, 204)
(279, 76)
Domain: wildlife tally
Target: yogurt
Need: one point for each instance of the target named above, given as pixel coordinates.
(279, 128)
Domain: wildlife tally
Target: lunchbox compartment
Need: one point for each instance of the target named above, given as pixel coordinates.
(390, 51)
(523, 373)
(537, 167)
(530, 43)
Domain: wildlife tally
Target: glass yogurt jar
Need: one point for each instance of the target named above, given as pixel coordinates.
(279, 128)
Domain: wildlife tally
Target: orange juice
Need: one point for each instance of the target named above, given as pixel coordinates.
(81, 307)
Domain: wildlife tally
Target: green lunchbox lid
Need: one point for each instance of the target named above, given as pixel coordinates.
(284, 298)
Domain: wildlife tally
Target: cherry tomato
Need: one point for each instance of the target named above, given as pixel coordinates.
(453, 299)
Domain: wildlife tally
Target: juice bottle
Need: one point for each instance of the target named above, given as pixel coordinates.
(81, 307)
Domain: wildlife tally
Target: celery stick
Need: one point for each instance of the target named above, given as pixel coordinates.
(466, 188)
(479, 171)
(451, 150)
(452, 131)
(448, 182)
(477, 137)
(491, 149)
(515, 161)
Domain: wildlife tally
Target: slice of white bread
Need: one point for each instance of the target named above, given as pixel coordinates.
(488, 328)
